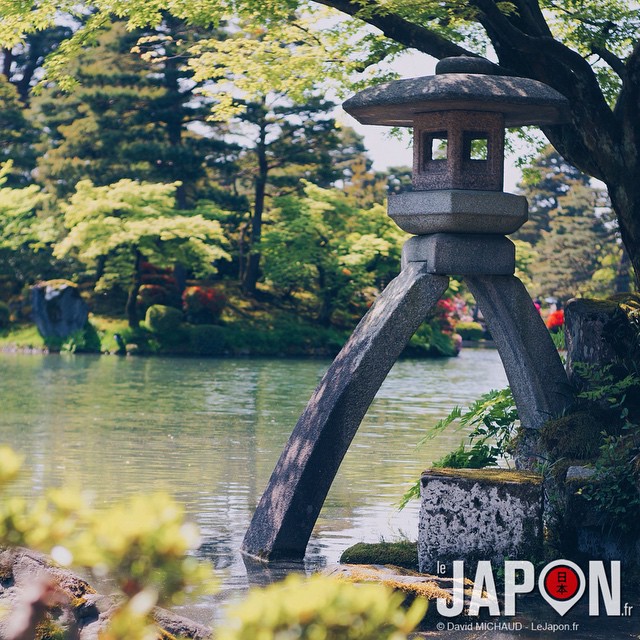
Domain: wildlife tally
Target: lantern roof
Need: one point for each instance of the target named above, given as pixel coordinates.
(461, 83)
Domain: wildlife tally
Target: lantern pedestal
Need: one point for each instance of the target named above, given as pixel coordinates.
(462, 254)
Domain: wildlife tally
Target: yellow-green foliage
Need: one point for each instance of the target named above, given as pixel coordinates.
(323, 608)
(141, 544)
(110, 223)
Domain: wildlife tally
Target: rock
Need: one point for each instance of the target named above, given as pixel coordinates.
(81, 608)
(599, 332)
(478, 514)
(576, 473)
(400, 554)
(58, 309)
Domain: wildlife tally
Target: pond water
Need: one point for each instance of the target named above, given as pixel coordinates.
(210, 432)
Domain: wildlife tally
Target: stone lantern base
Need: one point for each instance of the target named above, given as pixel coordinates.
(478, 514)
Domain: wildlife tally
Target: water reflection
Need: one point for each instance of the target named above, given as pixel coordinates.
(210, 433)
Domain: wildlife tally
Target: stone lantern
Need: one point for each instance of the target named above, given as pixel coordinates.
(458, 215)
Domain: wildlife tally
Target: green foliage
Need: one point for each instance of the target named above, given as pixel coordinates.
(127, 118)
(478, 456)
(140, 545)
(430, 340)
(470, 330)
(116, 228)
(321, 607)
(207, 340)
(17, 135)
(322, 244)
(5, 315)
(85, 340)
(614, 490)
(111, 222)
(163, 320)
(494, 418)
(283, 337)
(570, 237)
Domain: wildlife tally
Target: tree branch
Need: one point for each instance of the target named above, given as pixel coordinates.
(531, 15)
(401, 30)
(611, 59)
(582, 84)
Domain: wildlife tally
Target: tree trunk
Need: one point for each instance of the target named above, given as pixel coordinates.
(131, 308)
(327, 299)
(253, 265)
(7, 59)
(626, 203)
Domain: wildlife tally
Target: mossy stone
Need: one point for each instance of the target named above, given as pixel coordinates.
(400, 554)
(489, 475)
(577, 436)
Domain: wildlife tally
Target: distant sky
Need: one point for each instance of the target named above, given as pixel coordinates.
(386, 151)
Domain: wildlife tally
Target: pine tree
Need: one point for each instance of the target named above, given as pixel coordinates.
(17, 136)
(546, 180)
(575, 245)
(128, 118)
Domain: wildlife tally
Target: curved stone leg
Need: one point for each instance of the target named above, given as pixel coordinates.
(284, 519)
(534, 369)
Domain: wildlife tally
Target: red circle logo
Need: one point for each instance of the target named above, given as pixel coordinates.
(562, 582)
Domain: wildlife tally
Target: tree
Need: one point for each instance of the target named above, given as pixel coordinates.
(26, 234)
(323, 244)
(128, 118)
(17, 136)
(22, 64)
(116, 228)
(572, 231)
(546, 180)
(587, 50)
(282, 126)
(573, 248)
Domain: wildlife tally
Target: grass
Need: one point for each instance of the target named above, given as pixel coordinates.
(22, 336)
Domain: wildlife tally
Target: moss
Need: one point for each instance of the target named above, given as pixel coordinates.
(577, 435)
(49, 630)
(489, 475)
(428, 590)
(590, 305)
(401, 554)
(60, 283)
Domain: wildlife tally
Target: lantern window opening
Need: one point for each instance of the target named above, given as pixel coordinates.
(476, 146)
(436, 147)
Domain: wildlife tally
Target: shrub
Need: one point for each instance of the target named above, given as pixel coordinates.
(323, 607)
(207, 340)
(5, 315)
(203, 305)
(86, 340)
(140, 545)
(162, 319)
(429, 340)
(470, 330)
(150, 294)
